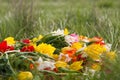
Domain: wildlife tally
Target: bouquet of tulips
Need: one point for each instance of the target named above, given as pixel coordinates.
(57, 52)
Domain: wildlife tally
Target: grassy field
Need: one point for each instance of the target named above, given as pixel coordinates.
(29, 18)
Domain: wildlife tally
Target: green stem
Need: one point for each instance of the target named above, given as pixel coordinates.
(10, 64)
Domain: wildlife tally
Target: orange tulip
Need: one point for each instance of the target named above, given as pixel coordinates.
(68, 50)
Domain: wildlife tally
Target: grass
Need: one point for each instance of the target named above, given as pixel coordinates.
(29, 18)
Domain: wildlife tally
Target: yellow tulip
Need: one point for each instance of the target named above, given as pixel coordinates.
(37, 38)
(25, 76)
(66, 32)
(40, 37)
(95, 50)
(55, 56)
(46, 49)
(77, 45)
(10, 40)
(61, 64)
(76, 65)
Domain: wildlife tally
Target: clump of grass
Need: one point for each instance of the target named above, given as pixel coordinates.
(19, 21)
(105, 4)
(24, 16)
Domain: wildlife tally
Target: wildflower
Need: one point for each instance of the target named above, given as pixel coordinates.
(55, 56)
(111, 55)
(45, 65)
(108, 47)
(25, 76)
(26, 41)
(61, 64)
(37, 38)
(75, 36)
(9, 48)
(81, 57)
(95, 50)
(74, 58)
(96, 66)
(66, 32)
(58, 32)
(76, 65)
(101, 43)
(96, 39)
(10, 40)
(27, 49)
(64, 57)
(40, 37)
(32, 44)
(4, 47)
(55, 70)
(77, 45)
(44, 48)
(71, 38)
(84, 39)
(31, 66)
(68, 50)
